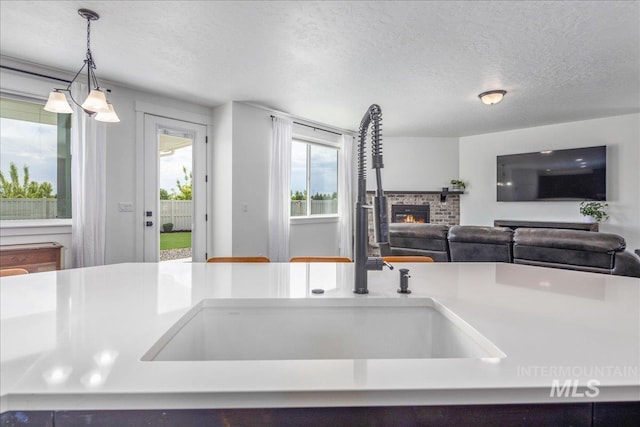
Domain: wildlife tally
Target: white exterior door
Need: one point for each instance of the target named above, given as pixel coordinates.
(155, 127)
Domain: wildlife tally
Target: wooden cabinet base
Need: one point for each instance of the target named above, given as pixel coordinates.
(35, 257)
(585, 414)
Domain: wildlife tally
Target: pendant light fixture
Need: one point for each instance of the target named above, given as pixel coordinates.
(492, 97)
(96, 101)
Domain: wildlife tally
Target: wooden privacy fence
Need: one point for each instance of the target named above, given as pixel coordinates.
(318, 207)
(28, 208)
(177, 212)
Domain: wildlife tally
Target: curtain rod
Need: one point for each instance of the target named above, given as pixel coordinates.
(312, 127)
(31, 73)
(34, 74)
(323, 126)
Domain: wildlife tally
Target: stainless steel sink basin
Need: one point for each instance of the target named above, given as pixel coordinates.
(299, 329)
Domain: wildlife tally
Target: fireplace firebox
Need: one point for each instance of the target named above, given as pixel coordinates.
(410, 213)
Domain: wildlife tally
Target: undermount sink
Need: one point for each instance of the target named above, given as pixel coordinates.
(305, 329)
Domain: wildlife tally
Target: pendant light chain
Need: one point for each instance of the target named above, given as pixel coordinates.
(90, 62)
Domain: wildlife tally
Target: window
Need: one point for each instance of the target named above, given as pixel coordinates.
(35, 161)
(314, 179)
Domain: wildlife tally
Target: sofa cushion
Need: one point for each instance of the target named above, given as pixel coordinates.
(478, 234)
(418, 236)
(419, 239)
(569, 239)
(569, 247)
(472, 243)
(555, 256)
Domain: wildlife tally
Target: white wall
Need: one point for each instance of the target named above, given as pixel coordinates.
(221, 175)
(314, 238)
(416, 164)
(251, 162)
(241, 141)
(620, 134)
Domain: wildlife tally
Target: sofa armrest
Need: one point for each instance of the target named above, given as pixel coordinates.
(626, 264)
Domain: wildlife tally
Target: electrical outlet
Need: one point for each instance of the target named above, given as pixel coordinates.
(125, 207)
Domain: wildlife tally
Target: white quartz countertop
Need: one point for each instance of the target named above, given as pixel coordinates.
(74, 339)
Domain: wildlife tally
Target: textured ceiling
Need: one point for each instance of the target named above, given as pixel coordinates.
(423, 62)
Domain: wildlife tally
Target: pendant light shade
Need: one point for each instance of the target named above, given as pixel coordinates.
(57, 103)
(96, 101)
(110, 117)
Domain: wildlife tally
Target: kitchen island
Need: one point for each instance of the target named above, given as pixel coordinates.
(74, 343)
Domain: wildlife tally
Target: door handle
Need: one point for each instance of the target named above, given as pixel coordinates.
(149, 223)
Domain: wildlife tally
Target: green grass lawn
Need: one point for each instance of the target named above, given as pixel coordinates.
(175, 240)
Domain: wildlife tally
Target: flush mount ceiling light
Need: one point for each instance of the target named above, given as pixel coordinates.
(96, 101)
(492, 97)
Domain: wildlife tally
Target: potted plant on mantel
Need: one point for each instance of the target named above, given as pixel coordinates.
(457, 185)
(594, 211)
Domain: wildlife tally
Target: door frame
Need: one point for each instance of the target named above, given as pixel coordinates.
(143, 108)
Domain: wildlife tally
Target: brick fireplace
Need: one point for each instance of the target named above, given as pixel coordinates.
(437, 212)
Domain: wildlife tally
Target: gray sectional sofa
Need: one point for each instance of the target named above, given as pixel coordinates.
(558, 248)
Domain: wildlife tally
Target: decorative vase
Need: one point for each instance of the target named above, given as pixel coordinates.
(588, 219)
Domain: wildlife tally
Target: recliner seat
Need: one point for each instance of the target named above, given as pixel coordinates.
(554, 247)
(419, 239)
(472, 243)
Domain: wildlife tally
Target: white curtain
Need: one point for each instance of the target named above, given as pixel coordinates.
(279, 190)
(345, 197)
(88, 185)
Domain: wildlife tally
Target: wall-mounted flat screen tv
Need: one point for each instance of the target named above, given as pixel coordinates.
(553, 175)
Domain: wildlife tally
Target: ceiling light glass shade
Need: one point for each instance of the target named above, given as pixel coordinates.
(96, 102)
(57, 103)
(492, 97)
(110, 117)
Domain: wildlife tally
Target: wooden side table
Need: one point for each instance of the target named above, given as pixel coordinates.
(34, 257)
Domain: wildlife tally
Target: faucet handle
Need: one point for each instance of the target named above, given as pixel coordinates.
(374, 263)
